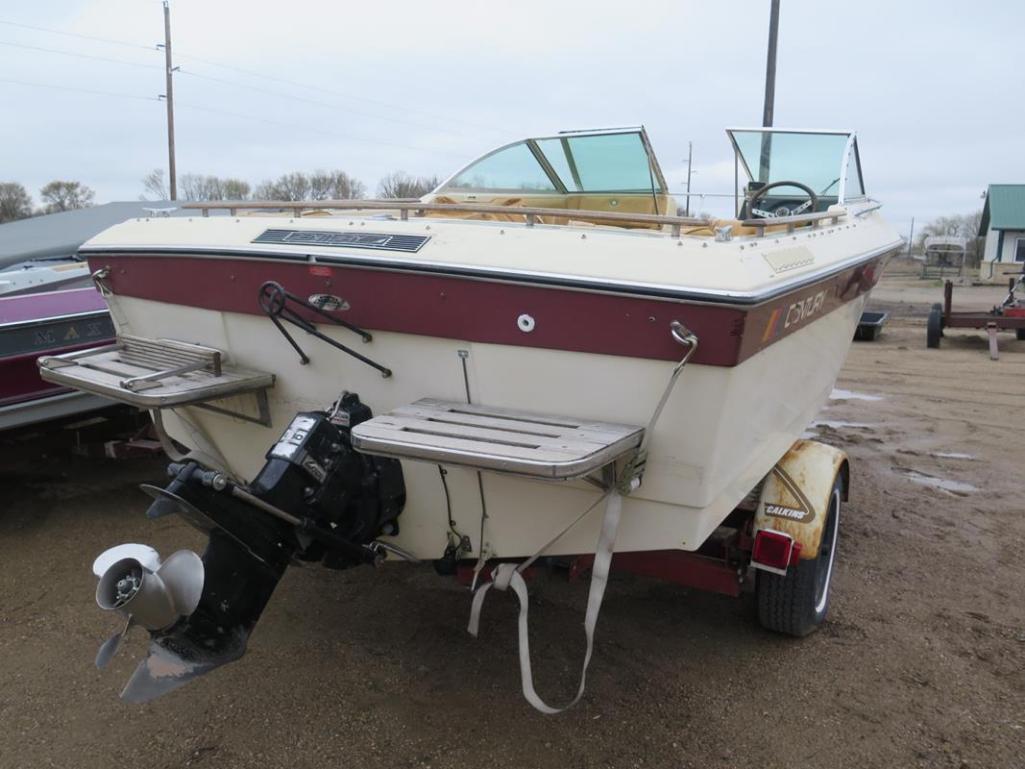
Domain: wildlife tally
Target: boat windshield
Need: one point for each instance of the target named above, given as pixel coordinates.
(824, 161)
(618, 161)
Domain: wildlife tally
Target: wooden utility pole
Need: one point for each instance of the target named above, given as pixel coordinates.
(770, 92)
(770, 65)
(169, 98)
(690, 159)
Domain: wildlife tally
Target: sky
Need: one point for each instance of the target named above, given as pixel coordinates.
(934, 89)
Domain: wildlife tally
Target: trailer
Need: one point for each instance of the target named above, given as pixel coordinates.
(1009, 315)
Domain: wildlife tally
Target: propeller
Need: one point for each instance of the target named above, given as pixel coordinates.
(145, 591)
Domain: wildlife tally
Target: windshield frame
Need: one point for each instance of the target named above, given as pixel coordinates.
(850, 152)
(563, 137)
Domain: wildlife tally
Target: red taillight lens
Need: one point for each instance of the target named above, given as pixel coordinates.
(773, 550)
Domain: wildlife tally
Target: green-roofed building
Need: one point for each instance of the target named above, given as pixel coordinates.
(1003, 226)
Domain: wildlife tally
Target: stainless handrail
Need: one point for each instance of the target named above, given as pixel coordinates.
(529, 212)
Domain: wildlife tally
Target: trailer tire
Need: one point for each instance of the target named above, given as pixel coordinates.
(1019, 333)
(934, 327)
(796, 603)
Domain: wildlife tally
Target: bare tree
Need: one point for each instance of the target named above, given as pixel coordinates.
(234, 189)
(401, 185)
(154, 186)
(320, 185)
(335, 185)
(66, 196)
(199, 187)
(15, 202)
(293, 186)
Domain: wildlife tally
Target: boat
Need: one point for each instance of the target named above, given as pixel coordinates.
(49, 305)
(540, 358)
(47, 322)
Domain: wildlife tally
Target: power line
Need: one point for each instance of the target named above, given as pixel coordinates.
(234, 84)
(307, 127)
(332, 92)
(226, 113)
(241, 70)
(78, 55)
(78, 90)
(124, 43)
(307, 100)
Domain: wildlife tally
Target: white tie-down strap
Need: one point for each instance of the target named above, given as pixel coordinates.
(508, 575)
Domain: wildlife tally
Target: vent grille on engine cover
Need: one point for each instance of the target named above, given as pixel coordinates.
(375, 241)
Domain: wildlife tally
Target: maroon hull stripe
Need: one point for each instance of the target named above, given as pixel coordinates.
(485, 311)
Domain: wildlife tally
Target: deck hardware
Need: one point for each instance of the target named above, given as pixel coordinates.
(99, 278)
(274, 301)
(633, 473)
(526, 323)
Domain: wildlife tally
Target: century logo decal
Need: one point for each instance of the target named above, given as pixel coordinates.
(800, 311)
(788, 316)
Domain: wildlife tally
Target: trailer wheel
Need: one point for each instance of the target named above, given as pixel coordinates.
(1019, 333)
(934, 327)
(796, 603)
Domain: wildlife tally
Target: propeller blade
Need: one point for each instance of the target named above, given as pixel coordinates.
(183, 574)
(109, 647)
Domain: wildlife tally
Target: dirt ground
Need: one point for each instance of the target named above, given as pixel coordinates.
(920, 664)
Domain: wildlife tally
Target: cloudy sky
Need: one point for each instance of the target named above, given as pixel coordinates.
(935, 89)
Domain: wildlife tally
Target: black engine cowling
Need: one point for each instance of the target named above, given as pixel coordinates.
(316, 499)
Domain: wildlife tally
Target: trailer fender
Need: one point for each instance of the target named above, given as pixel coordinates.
(796, 493)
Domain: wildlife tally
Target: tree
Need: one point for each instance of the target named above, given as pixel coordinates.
(65, 196)
(320, 185)
(199, 187)
(154, 186)
(335, 185)
(15, 202)
(293, 186)
(401, 185)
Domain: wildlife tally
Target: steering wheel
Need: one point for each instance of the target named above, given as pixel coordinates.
(783, 209)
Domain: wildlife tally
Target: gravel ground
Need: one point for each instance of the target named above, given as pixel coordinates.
(920, 663)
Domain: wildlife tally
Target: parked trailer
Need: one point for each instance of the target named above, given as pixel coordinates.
(1009, 315)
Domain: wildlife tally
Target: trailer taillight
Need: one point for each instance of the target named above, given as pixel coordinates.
(774, 551)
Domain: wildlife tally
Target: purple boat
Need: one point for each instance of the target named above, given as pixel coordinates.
(48, 305)
(40, 324)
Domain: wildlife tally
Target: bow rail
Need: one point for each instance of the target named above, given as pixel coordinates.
(530, 213)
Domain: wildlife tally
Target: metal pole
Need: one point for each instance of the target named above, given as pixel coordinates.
(169, 98)
(770, 92)
(690, 158)
(911, 237)
(770, 65)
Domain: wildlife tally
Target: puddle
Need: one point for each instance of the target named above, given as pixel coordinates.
(955, 487)
(850, 395)
(952, 455)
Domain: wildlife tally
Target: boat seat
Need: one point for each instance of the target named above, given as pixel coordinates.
(501, 440)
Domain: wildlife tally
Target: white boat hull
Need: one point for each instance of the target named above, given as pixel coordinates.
(722, 429)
